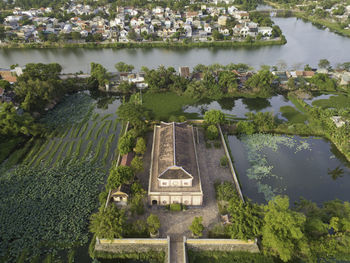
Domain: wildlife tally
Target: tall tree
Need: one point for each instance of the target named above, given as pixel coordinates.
(283, 230)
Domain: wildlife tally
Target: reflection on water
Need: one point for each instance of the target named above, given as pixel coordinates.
(319, 174)
(299, 50)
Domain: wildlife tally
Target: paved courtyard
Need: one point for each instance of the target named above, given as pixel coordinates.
(175, 224)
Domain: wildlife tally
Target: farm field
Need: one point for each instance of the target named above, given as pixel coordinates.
(78, 129)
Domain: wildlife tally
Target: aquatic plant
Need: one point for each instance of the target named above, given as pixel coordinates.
(260, 170)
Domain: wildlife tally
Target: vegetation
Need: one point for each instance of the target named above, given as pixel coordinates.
(140, 146)
(228, 257)
(153, 224)
(47, 192)
(119, 175)
(197, 227)
(214, 117)
(212, 132)
(126, 143)
(108, 222)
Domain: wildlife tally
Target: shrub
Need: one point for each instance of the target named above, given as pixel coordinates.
(137, 205)
(126, 143)
(212, 132)
(175, 207)
(245, 127)
(224, 161)
(137, 164)
(213, 117)
(207, 145)
(197, 226)
(102, 197)
(182, 118)
(119, 175)
(140, 146)
(153, 223)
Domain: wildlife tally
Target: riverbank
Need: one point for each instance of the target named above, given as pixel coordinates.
(334, 27)
(118, 45)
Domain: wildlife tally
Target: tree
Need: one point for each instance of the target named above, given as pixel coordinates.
(137, 164)
(212, 132)
(263, 121)
(119, 175)
(262, 82)
(136, 204)
(14, 123)
(133, 113)
(99, 73)
(197, 227)
(245, 217)
(245, 127)
(126, 143)
(108, 223)
(324, 64)
(140, 146)
(217, 35)
(283, 231)
(132, 35)
(4, 84)
(153, 224)
(125, 87)
(123, 67)
(214, 117)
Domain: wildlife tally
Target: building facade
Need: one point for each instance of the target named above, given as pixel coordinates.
(174, 172)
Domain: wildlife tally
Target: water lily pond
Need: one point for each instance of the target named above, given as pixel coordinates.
(269, 165)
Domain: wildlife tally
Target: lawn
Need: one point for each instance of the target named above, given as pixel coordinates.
(338, 102)
(293, 115)
(164, 105)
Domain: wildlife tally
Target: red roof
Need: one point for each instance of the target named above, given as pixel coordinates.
(7, 75)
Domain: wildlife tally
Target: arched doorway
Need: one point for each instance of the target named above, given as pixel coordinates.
(154, 202)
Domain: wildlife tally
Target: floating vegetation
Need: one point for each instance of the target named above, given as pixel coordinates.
(260, 169)
(77, 107)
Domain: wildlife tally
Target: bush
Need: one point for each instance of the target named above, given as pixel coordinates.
(140, 146)
(197, 226)
(119, 175)
(224, 161)
(212, 132)
(213, 117)
(175, 207)
(102, 197)
(137, 205)
(153, 223)
(137, 164)
(126, 143)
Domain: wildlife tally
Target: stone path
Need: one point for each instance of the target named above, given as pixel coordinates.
(176, 250)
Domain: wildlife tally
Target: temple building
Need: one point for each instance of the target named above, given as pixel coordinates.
(174, 172)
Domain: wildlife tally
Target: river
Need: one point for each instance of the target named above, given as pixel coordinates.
(307, 44)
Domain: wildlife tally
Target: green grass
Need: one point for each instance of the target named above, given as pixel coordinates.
(293, 115)
(338, 102)
(98, 150)
(88, 149)
(166, 104)
(83, 130)
(108, 147)
(62, 151)
(70, 149)
(54, 151)
(109, 124)
(97, 134)
(88, 136)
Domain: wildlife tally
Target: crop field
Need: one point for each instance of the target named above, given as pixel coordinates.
(74, 131)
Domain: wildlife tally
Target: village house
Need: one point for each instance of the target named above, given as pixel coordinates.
(174, 172)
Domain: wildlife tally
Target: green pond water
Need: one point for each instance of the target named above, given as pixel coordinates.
(309, 167)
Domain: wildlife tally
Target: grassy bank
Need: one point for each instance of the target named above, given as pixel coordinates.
(162, 44)
(164, 105)
(334, 27)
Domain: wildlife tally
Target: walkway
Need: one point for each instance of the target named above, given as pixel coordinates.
(176, 249)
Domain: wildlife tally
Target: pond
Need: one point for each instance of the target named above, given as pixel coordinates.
(309, 167)
(240, 106)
